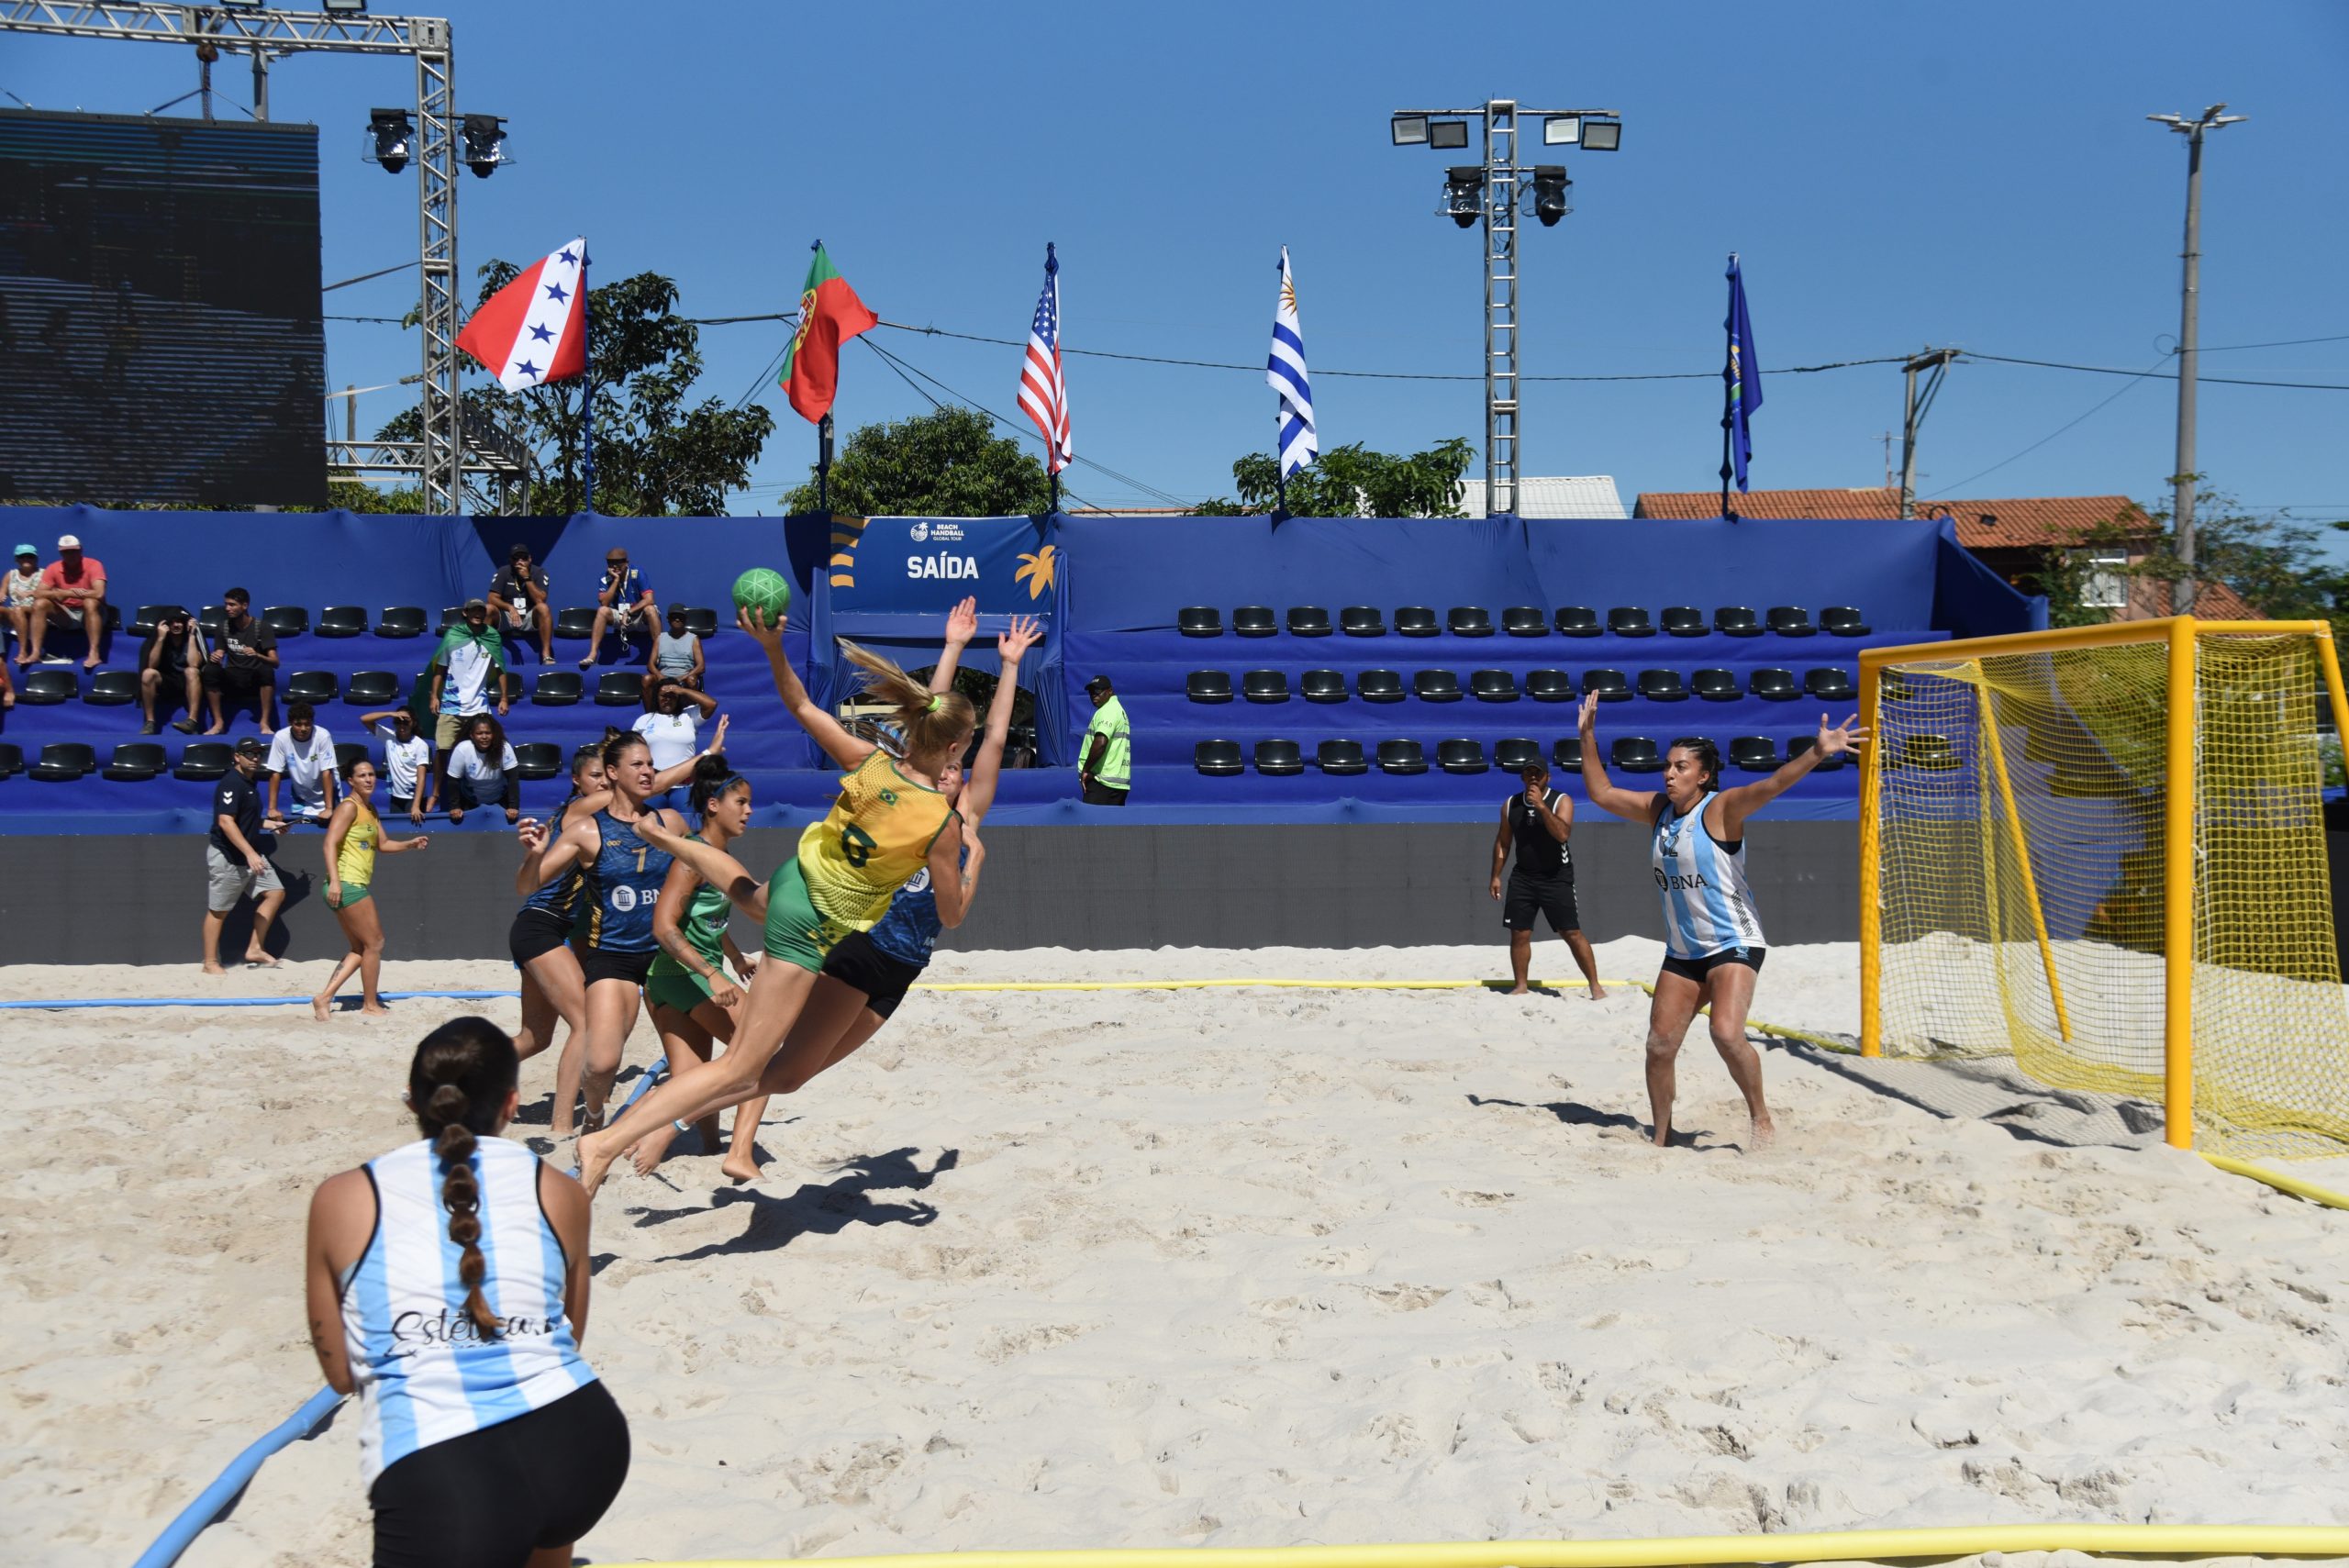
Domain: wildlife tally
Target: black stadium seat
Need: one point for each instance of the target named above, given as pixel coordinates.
(1830, 685)
(342, 620)
(1791, 621)
(135, 761)
(1843, 620)
(1208, 686)
(1322, 686)
(1219, 759)
(1774, 686)
(1525, 620)
(39, 687)
(1514, 755)
(210, 620)
(1684, 621)
(1629, 620)
(313, 687)
(1436, 686)
(1416, 620)
(347, 755)
(202, 761)
(1264, 685)
(401, 620)
(148, 618)
(1736, 620)
(701, 620)
(1461, 756)
(1635, 754)
(1928, 754)
(1578, 620)
(556, 688)
(1255, 621)
(1307, 620)
(286, 621)
(1662, 685)
(575, 623)
(112, 688)
(11, 759)
(372, 688)
(1401, 757)
(1200, 620)
(621, 688)
(1941, 761)
(1340, 757)
(1492, 685)
(1755, 753)
(451, 615)
(1470, 620)
(1362, 621)
(1567, 754)
(1611, 684)
(1549, 686)
(536, 760)
(1716, 685)
(1279, 758)
(1378, 685)
(63, 762)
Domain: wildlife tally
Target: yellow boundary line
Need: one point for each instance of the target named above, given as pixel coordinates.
(1817, 1546)
(2280, 1182)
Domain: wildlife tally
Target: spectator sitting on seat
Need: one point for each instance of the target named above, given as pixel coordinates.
(244, 667)
(676, 656)
(19, 597)
(233, 852)
(623, 601)
(1105, 768)
(471, 658)
(407, 761)
(481, 771)
(673, 729)
(72, 592)
(172, 664)
(301, 755)
(518, 596)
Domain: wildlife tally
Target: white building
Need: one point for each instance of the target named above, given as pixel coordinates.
(1578, 496)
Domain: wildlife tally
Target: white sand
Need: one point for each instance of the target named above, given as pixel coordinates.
(1202, 1268)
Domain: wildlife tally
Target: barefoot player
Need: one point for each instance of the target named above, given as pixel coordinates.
(1536, 821)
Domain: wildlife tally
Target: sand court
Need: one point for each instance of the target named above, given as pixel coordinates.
(1251, 1267)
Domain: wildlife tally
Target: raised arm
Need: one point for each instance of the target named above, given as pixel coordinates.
(715, 867)
(961, 624)
(978, 795)
(950, 878)
(543, 861)
(1736, 805)
(1631, 805)
(830, 734)
(683, 774)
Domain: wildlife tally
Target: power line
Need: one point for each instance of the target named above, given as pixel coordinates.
(2278, 343)
(2135, 375)
(2051, 435)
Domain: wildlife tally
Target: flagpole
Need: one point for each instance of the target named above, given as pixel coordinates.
(1729, 392)
(587, 380)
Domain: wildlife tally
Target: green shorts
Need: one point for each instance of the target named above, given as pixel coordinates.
(797, 933)
(680, 989)
(352, 893)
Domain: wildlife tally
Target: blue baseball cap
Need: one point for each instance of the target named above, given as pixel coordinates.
(28, 550)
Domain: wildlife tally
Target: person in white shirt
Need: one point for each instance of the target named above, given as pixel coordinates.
(481, 772)
(19, 591)
(301, 756)
(674, 729)
(407, 761)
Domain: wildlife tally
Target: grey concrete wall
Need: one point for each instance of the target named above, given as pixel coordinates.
(139, 900)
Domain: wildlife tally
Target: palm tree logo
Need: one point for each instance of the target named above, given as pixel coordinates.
(1036, 571)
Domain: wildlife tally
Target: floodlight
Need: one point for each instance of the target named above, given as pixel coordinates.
(343, 8)
(239, 5)
(1601, 134)
(1560, 131)
(1463, 194)
(1411, 130)
(485, 144)
(1550, 188)
(391, 138)
(1443, 134)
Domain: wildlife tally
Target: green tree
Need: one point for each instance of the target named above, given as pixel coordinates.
(1352, 482)
(950, 463)
(2274, 560)
(656, 453)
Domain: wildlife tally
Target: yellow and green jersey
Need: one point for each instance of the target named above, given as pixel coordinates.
(356, 863)
(877, 835)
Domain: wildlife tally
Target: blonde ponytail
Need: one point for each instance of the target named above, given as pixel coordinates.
(933, 722)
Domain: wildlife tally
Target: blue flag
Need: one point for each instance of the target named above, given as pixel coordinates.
(1740, 378)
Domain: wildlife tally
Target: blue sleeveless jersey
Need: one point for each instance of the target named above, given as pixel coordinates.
(908, 932)
(1707, 906)
(620, 888)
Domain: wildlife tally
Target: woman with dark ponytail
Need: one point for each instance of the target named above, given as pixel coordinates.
(485, 1439)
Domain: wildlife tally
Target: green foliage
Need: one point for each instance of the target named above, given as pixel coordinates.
(950, 463)
(1352, 482)
(656, 454)
(2273, 560)
(348, 495)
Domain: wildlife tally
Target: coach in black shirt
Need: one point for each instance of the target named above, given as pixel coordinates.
(232, 854)
(517, 597)
(1535, 822)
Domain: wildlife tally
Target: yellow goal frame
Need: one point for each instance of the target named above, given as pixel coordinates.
(2180, 633)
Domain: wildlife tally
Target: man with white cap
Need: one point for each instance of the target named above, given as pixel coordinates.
(73, 592)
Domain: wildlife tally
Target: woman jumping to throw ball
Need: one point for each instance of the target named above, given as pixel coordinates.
(355, 833)
(1713, 946)
(890, 821)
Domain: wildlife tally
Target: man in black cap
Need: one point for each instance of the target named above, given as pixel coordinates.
(518, 596)
(1105, 762)
(235, 862)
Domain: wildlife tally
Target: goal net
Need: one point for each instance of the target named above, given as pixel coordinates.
(2102, 851)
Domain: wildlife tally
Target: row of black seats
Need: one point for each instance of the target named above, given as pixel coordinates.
(41, 687)
(354, 620)
(1826, 683)
(204, 762)
(1527, 620)
(1630, 753)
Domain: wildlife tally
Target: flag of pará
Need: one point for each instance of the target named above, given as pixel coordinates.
(1043, 391)
(1285, 369)
(534, 330)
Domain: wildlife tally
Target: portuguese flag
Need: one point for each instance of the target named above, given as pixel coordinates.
(830, 315)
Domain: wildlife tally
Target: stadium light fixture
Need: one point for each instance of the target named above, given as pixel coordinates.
(1601, 134)
(485, 144)
(391, 136)
(343, 8)
(1463, 194)
(1447, 134)
(1550, 188)
(1561, 130)
(1411, 130)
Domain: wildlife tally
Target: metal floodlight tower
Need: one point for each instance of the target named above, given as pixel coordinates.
(1496, 197)
(342, 29)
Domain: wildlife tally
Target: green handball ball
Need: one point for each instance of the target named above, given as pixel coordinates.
(764, 593)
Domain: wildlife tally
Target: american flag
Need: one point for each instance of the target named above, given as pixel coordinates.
(1043, 392)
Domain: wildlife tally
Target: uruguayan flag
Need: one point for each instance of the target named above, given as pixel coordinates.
(1285, 370)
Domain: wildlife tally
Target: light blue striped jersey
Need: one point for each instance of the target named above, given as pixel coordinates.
(424, 1373)
(1708, 907)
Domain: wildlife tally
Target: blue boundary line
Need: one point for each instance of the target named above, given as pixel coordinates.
(235, 1001)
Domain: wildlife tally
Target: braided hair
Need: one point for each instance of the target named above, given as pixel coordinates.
(457, 1085)
(1707, 755)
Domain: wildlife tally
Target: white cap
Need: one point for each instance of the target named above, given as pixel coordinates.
(69, 541)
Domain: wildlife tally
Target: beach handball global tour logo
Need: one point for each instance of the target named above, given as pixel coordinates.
(940, 563)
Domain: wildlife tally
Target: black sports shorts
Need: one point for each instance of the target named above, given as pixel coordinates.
(1696, 969)
(604, 964)
(535, 933)
(855, 962)
(1550, 896)
(490, 1499)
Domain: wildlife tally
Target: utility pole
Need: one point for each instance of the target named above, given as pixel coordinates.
(1885, 437)
(2182, 595)
(1935, 362)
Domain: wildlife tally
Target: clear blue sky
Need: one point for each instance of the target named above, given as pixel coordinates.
(1894, 176)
